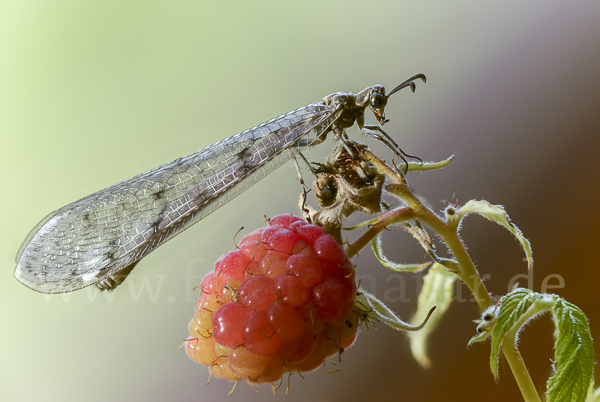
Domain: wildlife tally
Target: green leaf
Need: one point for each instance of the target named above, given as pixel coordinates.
(496, 213)
(516, 308)
(428, 166)
(574, 355)
(376, 244)
(438, 290)
(373, 308)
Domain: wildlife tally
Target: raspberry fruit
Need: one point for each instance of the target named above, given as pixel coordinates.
(280, 303)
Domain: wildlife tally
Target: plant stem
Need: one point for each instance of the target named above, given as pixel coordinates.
(519, 370)
(468, 273)
(448, 231)
(387, 219)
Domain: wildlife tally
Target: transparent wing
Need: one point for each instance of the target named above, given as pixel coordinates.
(88, 240)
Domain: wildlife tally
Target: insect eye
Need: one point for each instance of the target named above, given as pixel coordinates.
(377, 101)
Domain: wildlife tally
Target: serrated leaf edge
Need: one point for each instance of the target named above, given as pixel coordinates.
(475, 207)
(532, 304)
(511, 325)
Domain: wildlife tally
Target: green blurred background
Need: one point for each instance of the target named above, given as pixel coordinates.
(94, 92)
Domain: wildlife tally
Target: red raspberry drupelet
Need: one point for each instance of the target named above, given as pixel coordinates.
(280, 303)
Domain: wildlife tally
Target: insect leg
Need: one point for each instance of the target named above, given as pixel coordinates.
(299, 172)
(304, 190)
(389, 142)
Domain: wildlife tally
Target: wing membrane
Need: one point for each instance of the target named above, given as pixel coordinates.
(90, 239)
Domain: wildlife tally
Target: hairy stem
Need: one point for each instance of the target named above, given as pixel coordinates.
(467, 271)
(387, 219)
(448, 231)
(519, 370)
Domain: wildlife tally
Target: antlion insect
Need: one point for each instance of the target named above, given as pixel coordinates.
(100, 238)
